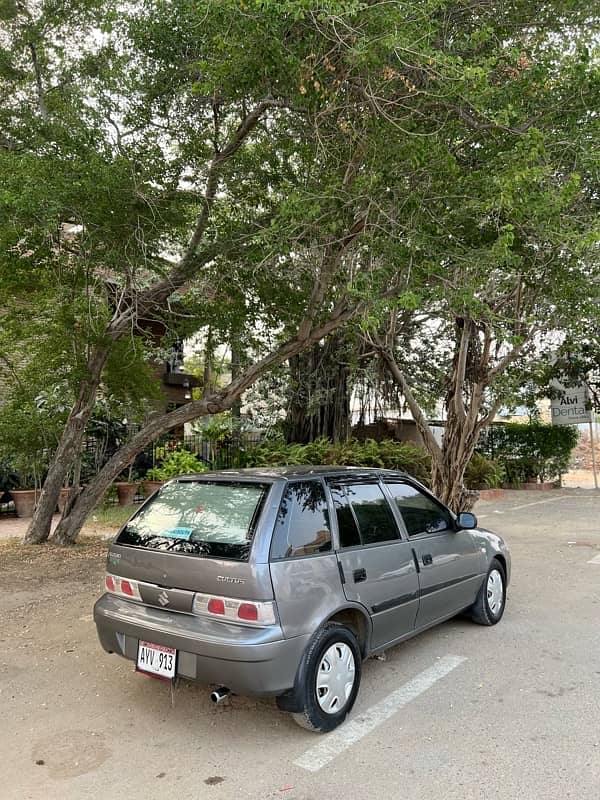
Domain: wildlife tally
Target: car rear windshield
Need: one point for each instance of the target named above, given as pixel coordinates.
(203, 518)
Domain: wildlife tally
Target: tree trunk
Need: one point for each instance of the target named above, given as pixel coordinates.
(461, 431)
(320, 400)
(236, 408)
(67, 452)
(448, 467)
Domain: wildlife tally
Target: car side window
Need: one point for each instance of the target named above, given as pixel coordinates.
(302, 527)
(347, 527)
(419, 512)
(363, 514)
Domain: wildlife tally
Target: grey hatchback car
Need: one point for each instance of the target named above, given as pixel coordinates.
(282, 581)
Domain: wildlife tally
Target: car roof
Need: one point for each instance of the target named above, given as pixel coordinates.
(295, 471)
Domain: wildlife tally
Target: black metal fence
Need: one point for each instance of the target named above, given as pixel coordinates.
(224, 453)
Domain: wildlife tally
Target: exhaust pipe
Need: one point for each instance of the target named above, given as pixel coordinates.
(218, 695)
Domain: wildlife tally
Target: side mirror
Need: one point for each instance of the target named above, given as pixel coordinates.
(465, 520)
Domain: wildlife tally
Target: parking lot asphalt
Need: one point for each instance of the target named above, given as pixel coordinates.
(461, 711)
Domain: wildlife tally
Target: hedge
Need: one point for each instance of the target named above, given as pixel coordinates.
(529, 452)
(388, 454)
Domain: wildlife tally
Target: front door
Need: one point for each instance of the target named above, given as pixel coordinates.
(449, 561)
(377, 566)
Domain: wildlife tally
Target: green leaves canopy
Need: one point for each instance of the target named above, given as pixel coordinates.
(436, 151)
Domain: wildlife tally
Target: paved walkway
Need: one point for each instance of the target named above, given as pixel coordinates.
(15, 527)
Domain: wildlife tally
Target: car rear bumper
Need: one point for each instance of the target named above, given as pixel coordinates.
(252, 661)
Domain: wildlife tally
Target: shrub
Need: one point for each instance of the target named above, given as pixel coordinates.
(9, 478)
(388, 454)
(176, 462)
(530, 452)
(484, 473)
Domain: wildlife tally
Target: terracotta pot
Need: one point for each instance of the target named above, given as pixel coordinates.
(126, 492)
(151, 486)
(24, 500)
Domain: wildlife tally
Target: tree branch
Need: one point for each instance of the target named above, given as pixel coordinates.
(189, 264)
(461, 368)
(422, 424)
(333, 256)
(38, 82)
(473, 120)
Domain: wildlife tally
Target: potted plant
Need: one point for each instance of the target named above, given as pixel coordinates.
(25, 501)
(9, 480)
(28, 468)
(29, 430)
(17, 480)
(151, 483)
(126, 488)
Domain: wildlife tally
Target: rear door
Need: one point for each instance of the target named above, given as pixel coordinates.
(304, 569)
(377, 565)
(449, 561)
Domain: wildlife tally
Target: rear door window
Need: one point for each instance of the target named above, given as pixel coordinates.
(302, 527)
(204, 518)
(420, 513)
(363, 515)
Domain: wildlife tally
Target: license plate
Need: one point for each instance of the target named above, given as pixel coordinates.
(156, 659)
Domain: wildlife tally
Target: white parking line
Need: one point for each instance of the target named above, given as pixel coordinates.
(540, 502)
(595, 559)
(351, 732)
(534, 503)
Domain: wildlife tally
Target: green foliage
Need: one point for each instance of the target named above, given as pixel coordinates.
(530, 452)
(29, 430)
(174, 462)
(9, 479)
(220, 428)
(484, 473)
(455, 139)
(388, 454)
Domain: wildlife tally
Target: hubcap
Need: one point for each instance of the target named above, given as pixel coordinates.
(335, 678)
(495, 592)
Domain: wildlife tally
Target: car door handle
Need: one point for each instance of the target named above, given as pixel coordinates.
(359, 575)
(427, 558)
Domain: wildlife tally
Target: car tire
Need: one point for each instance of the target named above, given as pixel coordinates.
(489, 606)
(331, 672)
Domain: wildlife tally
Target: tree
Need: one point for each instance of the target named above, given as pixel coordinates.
(280, 158)
(119, 197)
(519, 271)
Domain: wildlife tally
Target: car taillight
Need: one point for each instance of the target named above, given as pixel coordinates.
(248, 611)
(124, 587)
(215, 606)
(229, 609)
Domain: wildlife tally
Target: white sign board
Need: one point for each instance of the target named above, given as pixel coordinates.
(571, 407)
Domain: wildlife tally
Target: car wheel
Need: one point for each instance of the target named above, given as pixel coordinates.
(491, 599)
(331, 677)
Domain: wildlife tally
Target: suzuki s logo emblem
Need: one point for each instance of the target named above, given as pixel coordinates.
(163, 598)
